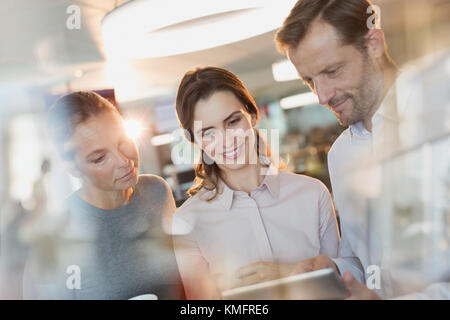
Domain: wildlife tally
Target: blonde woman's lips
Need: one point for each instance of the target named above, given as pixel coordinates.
(127, 176)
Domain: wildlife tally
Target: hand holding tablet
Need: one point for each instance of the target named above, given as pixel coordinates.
(324, 284)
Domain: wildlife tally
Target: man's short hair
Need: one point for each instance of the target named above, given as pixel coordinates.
(348, 17)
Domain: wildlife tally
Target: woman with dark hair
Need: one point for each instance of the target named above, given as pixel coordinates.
(113, 244)
(246, 221)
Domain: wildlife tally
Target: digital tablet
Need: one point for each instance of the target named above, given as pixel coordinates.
(324, 284)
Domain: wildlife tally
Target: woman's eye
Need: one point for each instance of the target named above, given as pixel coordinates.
(234, 121)
(207, 133)
(99, 159)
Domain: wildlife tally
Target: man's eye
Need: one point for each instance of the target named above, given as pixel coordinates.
(333, 71)
(309, 83)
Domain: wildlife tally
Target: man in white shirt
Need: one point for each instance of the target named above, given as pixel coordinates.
(341, 54)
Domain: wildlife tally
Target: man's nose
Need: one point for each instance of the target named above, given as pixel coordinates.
(325, 92)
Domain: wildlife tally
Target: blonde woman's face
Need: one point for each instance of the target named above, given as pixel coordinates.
(105, 157)
(223, 129)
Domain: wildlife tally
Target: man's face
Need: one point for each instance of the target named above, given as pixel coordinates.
(344, 78)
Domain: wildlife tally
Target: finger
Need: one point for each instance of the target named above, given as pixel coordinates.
(249, 269)
(302, 267)
(251, 279)
(349, 282)
(348, 278)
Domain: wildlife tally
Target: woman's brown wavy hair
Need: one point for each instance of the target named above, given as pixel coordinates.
(200, 84)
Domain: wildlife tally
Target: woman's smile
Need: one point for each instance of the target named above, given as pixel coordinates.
(233, 154)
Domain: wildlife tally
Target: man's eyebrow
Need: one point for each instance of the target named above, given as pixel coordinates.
(331, 66)
(225, 120)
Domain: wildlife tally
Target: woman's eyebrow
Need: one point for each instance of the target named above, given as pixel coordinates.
(95, 152)
(225, 120)
(232, 114)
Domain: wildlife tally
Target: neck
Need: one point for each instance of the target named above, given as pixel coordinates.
(107, 200)
(244, 179)
(389, 75)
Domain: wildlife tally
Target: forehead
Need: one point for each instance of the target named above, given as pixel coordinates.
(214, 109)
(321, 47)
(96, 132)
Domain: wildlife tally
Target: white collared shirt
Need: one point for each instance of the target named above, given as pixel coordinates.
(288, 218)
(369, 174)
(354, 180)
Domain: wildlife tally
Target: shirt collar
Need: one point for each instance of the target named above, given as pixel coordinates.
(225, 194)
(271, 181)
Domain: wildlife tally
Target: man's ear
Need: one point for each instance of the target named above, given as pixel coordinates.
(375, 43)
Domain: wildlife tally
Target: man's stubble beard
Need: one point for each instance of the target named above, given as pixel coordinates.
(369, 88)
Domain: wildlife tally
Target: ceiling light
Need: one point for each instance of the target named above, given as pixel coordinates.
(162, 139)
(299, 100)
(284, 70)
(158, 28)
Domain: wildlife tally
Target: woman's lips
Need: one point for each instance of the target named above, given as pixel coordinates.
(235, 153)
(127, 176)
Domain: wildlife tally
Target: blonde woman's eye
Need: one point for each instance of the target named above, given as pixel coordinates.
(99, 159)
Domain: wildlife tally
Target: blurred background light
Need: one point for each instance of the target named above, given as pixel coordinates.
(299, 100)
(284, 70)
(162, 139)
(159, 28)
(133, 128)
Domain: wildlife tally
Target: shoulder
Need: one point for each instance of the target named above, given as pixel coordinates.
(294, 180)
(152, 183)
(185, 217)
(196, 203)
(156, 188)
(340, 142)
(338, 147)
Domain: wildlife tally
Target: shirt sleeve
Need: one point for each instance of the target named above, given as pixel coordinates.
(329, 235)
(194, 269)
(347, 260)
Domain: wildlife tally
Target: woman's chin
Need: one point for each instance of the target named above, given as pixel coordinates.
(233, 166)
(131, 183)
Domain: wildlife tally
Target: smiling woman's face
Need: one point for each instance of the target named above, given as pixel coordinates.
(105, 158)
(225, 130)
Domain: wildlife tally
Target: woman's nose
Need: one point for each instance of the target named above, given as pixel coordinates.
(230, 139)
(122, 159)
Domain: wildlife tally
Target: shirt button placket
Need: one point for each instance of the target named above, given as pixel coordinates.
(262, 240)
